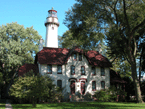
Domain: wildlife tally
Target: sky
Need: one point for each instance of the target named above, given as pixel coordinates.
(33, 13)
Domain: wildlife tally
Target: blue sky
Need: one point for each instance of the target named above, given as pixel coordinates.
(33, 13)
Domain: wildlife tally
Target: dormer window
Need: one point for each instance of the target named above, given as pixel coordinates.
(59, 69)
(75, 56)
(93, 71)
(49, 69)
(80, 57)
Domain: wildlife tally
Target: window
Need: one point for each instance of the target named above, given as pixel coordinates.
(75, 56)
(49, 69)
(102, 72)
(59, 83)
(72, 70)
(102, 84)
(80, 57)
(59, 69)
(93, 71)
(82, 70)
(93, 85)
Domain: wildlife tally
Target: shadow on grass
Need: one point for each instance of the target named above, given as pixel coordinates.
(84, 105)
(2, 106)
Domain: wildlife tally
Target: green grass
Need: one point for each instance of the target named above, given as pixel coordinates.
(2, 103)
(2, 106)
(82, 105)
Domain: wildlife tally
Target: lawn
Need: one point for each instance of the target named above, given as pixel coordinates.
(2, 103)
(82, 105)
(2, 106)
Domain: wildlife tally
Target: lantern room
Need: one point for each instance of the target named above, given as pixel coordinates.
(52, 13)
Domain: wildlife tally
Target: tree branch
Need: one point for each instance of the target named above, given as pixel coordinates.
(138, 26)
(126, 19)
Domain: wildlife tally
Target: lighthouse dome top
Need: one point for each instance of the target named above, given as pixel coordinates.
(52, 13)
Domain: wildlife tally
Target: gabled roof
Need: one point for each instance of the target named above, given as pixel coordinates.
(26, 68)
(97, 59)
(59, 56)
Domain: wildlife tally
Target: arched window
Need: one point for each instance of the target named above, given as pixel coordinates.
(75, 56)
(59, 83)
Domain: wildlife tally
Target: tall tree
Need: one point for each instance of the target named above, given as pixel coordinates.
(88, 44)
(121, 21)
(17, 46)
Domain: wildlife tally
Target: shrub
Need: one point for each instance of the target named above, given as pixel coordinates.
(32, 87)
(111, 94)
(88, 96)
(78, 94)
(102, 95)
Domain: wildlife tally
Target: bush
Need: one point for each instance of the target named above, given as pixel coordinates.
(102, 95)
(111, 94)
(88, 96)
(32, 87)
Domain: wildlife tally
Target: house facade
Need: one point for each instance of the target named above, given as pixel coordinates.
(75, 70)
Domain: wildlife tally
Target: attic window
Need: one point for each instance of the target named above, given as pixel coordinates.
(80, 57)
(75, 56)
(93, 71)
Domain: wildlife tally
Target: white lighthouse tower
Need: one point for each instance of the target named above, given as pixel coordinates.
(52, 25)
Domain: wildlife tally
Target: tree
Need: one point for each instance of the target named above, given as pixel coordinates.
(17, 46)
(67, 37)
(32, 87)
(122, 22)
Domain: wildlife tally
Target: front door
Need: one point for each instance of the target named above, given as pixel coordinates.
(82, 87)
(72, 87)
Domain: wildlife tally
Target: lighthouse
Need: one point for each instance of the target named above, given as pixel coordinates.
(52, 25)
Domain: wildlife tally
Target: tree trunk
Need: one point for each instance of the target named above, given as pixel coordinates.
(33, 102)
(139, 70)
(136, 84)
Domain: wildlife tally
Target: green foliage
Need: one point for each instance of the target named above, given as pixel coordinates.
(110, 94)
(102, 95)
(17, 46)
(32, 87)
(122, 22)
